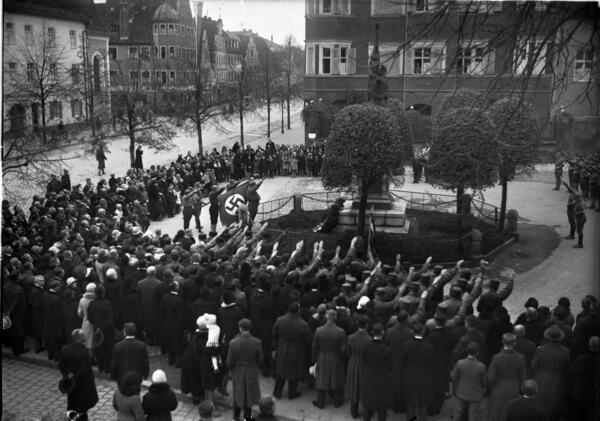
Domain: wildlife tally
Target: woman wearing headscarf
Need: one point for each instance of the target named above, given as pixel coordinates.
(160, 399)
(127, 401)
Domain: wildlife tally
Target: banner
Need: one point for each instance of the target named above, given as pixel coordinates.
(230, 201)
(371, 252)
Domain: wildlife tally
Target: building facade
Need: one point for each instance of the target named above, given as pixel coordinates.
(431, 48)
(51, 55)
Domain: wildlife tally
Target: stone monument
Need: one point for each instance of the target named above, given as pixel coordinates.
(389, 214)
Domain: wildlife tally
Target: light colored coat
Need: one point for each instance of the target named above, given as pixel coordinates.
(82, 312)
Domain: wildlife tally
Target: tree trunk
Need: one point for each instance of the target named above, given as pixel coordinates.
(504, 183)
(43, 107)
(131, 133)
(268, 112)
(362, 209)
(288, 108)
(460, 191)
(199, 131)
(241, 118)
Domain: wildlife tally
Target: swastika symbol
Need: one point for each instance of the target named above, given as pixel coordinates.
(233, 202)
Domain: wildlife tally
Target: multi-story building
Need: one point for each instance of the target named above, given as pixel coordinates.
(431, 48)
(53, 64)
(152, 50)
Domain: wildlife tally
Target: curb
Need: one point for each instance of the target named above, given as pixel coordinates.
(497, 250)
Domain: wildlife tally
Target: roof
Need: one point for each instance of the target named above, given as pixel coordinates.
(70, 10)
(212, 29)
(165, 13)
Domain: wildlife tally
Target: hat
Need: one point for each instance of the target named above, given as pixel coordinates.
(111, 273)
(66, 385)
(362, 303)
(70, 281)
(346, 285)
(201, 323)
(90, 287)
(206, 409)
(554, 333)
(136, 231)
(159, 376)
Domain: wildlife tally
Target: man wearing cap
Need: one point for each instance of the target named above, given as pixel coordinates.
(527, 407)
(506, 373)
(130, 354)
(244, 359)
(550, 367)
(469, 381)
(328, 350)
(75, 362)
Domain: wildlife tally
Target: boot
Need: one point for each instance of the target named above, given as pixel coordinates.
(320, 401)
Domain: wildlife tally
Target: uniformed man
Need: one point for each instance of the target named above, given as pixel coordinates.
(576, 215)
(559, 163)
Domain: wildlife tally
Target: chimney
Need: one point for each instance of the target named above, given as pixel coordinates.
(199, 35)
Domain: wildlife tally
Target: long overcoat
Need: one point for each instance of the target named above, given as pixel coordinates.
(354, 377)
(418, 369)
(82, 311)
(550, 367)
(150, 303)
(375, 388)
(53, 324)
(505, 375)
(243, 360)
(100, 314)
(443, 344)
(293, 338)
(396, 338)
(173, 315)
(36, 298)
(328, 350)
(197, 372)
(75, 359)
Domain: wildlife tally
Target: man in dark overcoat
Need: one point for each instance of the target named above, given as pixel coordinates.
(36, 300)
(13, 303)
(328, 350)
(173, 313)
(419, 366)
(130, 354)
(443, 344)
(354, 378)
(292, 338)
(75, 362)
(582, 378)
(53, 324)
(524, 346)
(243, 360)
(228, 318)
(396, 338)
(101, 316)
(526, 407)
(375, 390)
(149, 304)
(273, 307)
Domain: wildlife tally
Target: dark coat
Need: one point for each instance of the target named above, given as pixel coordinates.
(53, 324)
(70, 304)
(526, 348)
(443, 344)
(328, 351)
(582, 381)
(174, 318)
(75, 359)
(197, 373)
(129, 355)
(354, 376)
(36, 299)
(243, 360)
(101, 316)
(199, 307)
(149, 303)
(130, 308)
(159, 402)
(13, 303)
(524, 409)
(375, 387)
(419, 366)
(505, 375)
(550, 366)
(228, 318)
(293, 338)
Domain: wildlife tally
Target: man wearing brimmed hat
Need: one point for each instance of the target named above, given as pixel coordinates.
(506, 373)
(549, 367)
(75, 363)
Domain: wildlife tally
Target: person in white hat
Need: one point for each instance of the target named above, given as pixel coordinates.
(82, 310)
(160, 400)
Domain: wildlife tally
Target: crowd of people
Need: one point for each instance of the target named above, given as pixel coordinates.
(90, 283)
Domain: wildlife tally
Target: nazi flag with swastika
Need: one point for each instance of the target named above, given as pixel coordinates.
(230, 201)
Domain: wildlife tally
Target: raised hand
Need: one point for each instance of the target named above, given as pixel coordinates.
(275, 246)
(299, 245)
(428, 261)
(460, 263)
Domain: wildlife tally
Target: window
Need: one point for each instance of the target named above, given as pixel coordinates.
(145, 76)
(75, 73)
(73, 38)
(133, 76)
(163, 52)
(114, 28)
(326, 6)
(155, 29)
(12, 67)
(76, 108)
(9, 33)
(390, 58)
(145, 53)
(163, 29)
(171, 29)
(161, 76)
(473, 61)
(172, 53)
(31, 72)
(426, 58)
(112, 53)
(52, 72)
(470, 6)
(133, 53)
(51, 36)
(56, 109)
(28, 35)
(422, 6)
(530, 56)
(583, 65)
(172, 76)
(325, 60)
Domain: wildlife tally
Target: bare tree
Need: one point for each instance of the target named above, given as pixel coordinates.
(293, 64)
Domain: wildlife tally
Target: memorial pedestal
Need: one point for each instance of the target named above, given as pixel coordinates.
(389, 214)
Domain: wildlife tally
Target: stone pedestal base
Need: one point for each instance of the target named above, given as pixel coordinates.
(388, 215)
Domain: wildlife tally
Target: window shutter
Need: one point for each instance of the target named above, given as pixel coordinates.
(490, 62)
(335, 60)
(351, 60)
(317, 59)
(409, 65)
(438, 60)
(310, 60)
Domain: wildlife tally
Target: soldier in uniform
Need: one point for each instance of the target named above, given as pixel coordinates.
(559, 163)
(576, 215)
